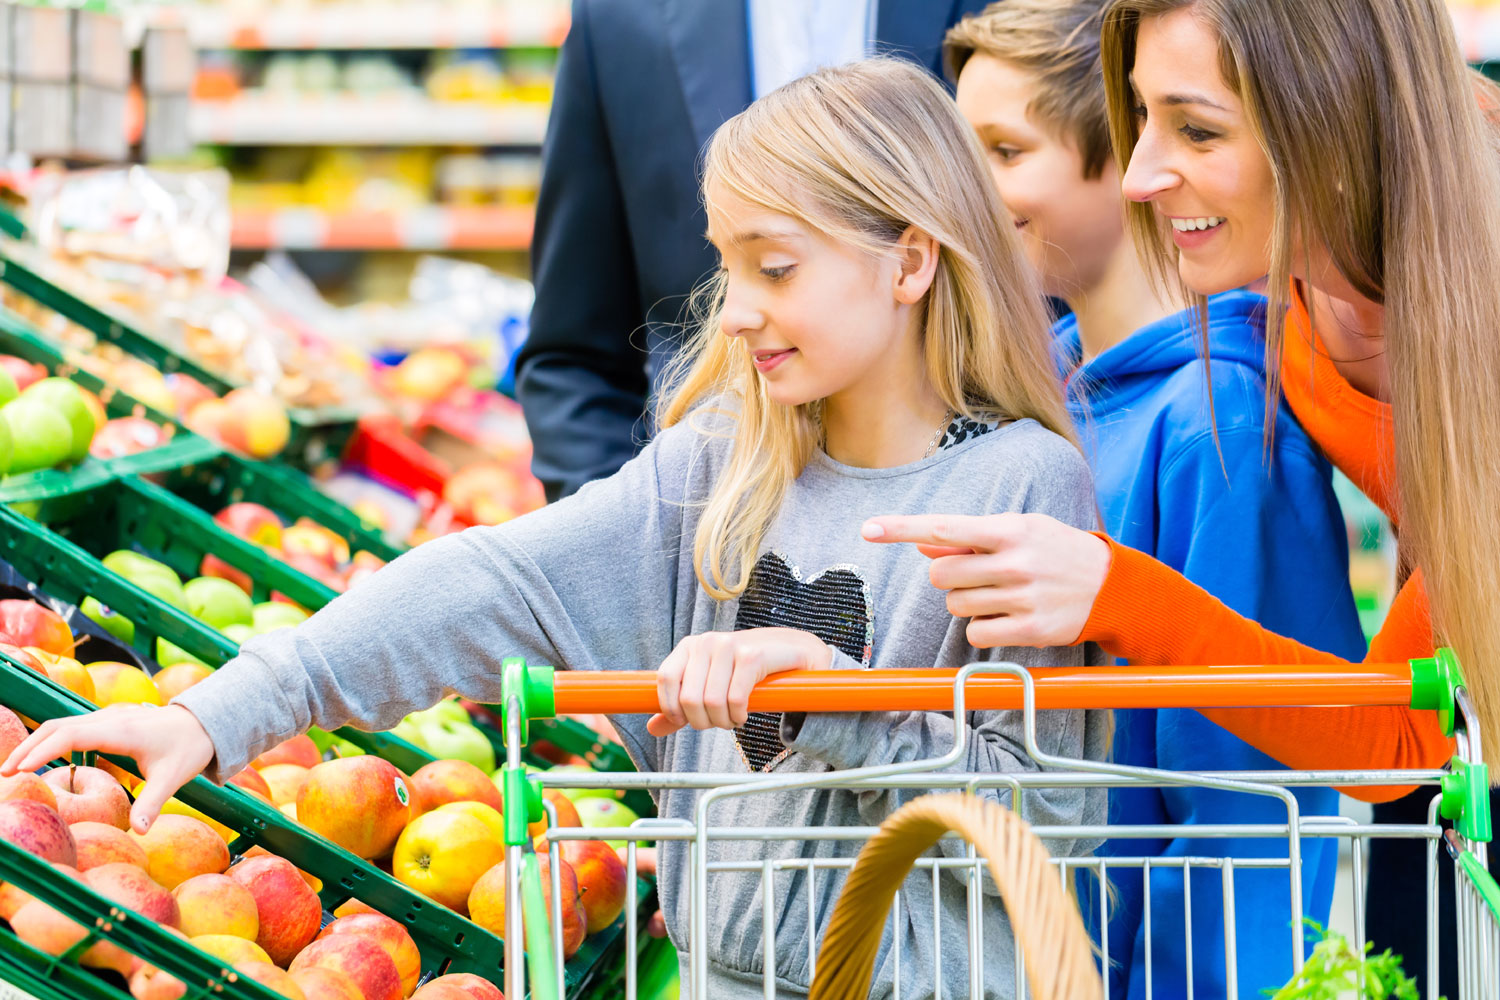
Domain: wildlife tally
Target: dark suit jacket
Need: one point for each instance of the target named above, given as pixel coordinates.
(641, 85)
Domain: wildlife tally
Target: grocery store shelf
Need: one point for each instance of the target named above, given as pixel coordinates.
(434, 227)
(416, 24)
(368, 121)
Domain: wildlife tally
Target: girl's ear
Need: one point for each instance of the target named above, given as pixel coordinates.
(918, 256)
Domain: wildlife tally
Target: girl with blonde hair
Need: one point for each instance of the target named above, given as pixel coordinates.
(875, 338)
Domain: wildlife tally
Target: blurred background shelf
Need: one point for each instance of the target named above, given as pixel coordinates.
(346, 25)
(433, 227)
(357, 121)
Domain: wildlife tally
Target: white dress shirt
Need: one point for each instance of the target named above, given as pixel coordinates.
(791, 38)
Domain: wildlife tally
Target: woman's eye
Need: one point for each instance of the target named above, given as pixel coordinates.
(1006, 153)
(1195, 134)
(1138, 112)
(778, 273)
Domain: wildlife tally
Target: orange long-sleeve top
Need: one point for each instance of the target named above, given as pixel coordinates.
(1149, 613)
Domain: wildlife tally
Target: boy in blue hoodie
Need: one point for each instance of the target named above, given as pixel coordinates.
(1261, 531)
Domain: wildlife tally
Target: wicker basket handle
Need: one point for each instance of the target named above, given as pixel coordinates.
(1059, 955)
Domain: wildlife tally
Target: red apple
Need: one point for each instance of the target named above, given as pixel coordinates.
(362, 960)
(487, 902)
(475, 987)
(391, 936)
(601, 880)
(250, 780)
(150, 983)
(187, 392)
(27, 786)
(212, 565)
(130, 886)
(178, 847)
(23, 371)
(12, 731)
(177, 678)
(289, 910)
(299, 750)
(308, 537)
(217, 904)
(42, 927)
(33, 827)
(274, 979)
(360, 803)
(103, 844)
(252, 522)
(22, 657)
(351, 906)
(323, 983)
(440, 991)
(65, 671)
(27, 623)
(89, 794)
(444, 781)
(252, 422)
(127, 436)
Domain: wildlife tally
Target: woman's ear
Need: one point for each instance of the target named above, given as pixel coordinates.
(917, 254)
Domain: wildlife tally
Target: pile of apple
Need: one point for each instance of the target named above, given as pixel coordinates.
(216, 602)
(260, 915)
(47, 423)
(305, 545)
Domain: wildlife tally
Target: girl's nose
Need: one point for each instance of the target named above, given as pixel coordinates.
(739, 316)
(1148, 175)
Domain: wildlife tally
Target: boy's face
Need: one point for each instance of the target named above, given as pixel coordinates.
(1071, 226)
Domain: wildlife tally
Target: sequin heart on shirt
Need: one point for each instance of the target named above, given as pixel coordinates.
(834, 606)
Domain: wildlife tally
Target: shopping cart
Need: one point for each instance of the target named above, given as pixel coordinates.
(1460, 796)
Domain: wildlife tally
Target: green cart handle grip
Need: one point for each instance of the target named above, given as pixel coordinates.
(540, 963)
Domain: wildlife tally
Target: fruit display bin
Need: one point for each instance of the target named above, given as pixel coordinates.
(21, 339)
(447, 941)
(317, 435)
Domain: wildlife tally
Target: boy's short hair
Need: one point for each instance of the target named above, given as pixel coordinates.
(1058, 41)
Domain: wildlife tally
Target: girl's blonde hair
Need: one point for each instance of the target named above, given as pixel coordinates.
(1379, 151)
(861, 153)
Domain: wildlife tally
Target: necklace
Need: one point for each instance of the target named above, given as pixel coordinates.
(948, 416)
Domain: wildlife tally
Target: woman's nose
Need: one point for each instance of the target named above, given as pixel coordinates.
(1148, 174)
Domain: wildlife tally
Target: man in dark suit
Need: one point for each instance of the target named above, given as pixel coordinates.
(641, 86)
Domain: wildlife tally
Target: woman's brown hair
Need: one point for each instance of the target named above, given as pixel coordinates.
(1381, 154)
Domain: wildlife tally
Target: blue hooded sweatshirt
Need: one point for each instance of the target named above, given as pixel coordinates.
(1264, 534)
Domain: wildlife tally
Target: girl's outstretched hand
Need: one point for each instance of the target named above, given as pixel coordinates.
(168, 745)
(706, 681)
(1023, 579)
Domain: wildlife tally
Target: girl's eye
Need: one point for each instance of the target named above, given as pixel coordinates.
(778, 273)
(1195, 134)
(1006, 153)
(1138, 112)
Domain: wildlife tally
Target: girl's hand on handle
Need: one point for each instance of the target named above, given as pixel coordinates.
(168, 745)
(706, 681)
(1023, 579)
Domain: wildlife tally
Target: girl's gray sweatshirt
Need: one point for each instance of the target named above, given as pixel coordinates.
(604, 580)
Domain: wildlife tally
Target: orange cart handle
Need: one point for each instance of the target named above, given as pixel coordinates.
(626, 692)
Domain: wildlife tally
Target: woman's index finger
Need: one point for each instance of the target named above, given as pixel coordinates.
(977, 533)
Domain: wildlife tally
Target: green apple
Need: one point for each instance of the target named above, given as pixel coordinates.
(577, 794)
(605, 812)
(269, 615)
(239, 634)
(151, 576)
(447, 710)
(40, 436)
(64, 397)
(8, 390)
(218, 602)
(168, 654)
(437, 731)
(107, 618)
(5, 447)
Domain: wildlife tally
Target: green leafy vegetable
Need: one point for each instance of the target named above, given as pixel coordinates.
(1335, 970)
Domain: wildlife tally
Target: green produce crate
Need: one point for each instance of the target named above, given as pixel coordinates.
(317, 435)
(220, 480)
(20, 338)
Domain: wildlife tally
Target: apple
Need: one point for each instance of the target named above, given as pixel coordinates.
(40, 436)
(253, 423)
(566, 809)
(491, 817)
(218, 602)
(27, 623)
(290, 913)
(67, 399)
(601, 880)
(230, 948)
(487, 902)
(213, 566)
(187, 392)
(140, 380)
(269, 615)
(148, 982)
(299, 750)
(278, 981)
(34, 828)
(128, 436)
(12, 731)
(239, 634)
(251, 781)
(209, 418)
(445, 731)
(153, 577)
(441, 854)
(26, 785)
(362, 960)
(477, 987)
(96, 409)
(284, 782)
(582, 793)
(317, 569)
(429, 374)
(22, 374)
(89, 794)
(65, 671)
(179, 847)
(12, 897)
(307, 537)
(440, 991)
(22, 657)
(217, 904)
(130, 886)
(172, 681)
(313, 882)
(359, 803)
(8, 388)
(107, 618)
(325, 983)
(605, 813)
(48, 931)
(444, 781)
(177, 807)
(170, 654)
(103, 844)
(391, 936)
(122, 684)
